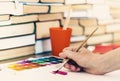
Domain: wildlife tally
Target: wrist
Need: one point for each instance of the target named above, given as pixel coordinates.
(97, 65)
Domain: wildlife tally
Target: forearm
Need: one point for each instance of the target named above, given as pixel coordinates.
(110, 61)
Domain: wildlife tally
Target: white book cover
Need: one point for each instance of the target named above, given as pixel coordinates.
(100, 12)
(7, 8)
(13, 42)
(42, 46)
(38, 47)
(16, 30)
(113, 28)
(18, 9)
(100, 39)
(77, 38)
(77, 14)
(47, 45)
(7, 22)
(11, 8)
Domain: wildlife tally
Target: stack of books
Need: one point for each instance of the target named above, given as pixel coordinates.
(24, 24)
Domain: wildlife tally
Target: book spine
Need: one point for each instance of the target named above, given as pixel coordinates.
(14, 42)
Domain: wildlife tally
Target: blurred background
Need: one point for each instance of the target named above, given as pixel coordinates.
(24, 24)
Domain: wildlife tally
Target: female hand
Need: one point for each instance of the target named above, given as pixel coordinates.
(87, 61)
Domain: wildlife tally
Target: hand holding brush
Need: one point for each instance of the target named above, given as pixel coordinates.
(71, 61)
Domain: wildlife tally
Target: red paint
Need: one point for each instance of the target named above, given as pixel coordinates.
(60, 72)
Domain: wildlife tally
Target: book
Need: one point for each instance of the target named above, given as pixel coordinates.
(99, 39)
(16, 30)
(72, 22)
(77, 14)
(116, 36)
(52, 1)
(13, 42)
(113, 28)
(20, 0)
(23, 18)
(64, 8)
(95, 1)
(43, 4)
(43, 46)
(113, 3)
(101, 29)
(109, 21)
(81, 7)
(99, 9)
(116, 42)
(115, 12)
(88, 22)
(105, 48)
(17, 52)
(42, 28)
(58, 8)
(11, 8)
(4, 17)
(50, 16)
(6, 22)
(7, 8)
(77, 38)
(30, 9)
(76, 44)
(75, 1)
(29, 1)
(115, 15)
(77, 30)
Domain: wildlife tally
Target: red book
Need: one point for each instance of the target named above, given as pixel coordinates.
(104, 48)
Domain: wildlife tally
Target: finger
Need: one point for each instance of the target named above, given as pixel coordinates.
(72, 68)
(62, 55)
(67, 66)
(78, 69)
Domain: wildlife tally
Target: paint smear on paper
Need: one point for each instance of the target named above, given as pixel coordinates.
(59, 72)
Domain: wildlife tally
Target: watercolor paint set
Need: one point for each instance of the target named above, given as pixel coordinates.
(35, 63)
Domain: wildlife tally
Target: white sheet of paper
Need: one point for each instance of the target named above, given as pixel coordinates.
(44, 74)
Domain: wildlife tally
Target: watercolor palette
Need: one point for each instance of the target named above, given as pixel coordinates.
(35, 63)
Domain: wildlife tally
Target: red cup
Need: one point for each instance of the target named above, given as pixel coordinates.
(60, 38)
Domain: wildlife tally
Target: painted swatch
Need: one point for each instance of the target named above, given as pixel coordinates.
(35, 63)
(60, 72)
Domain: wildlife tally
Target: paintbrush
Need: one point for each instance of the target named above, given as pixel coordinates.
(71, 61)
